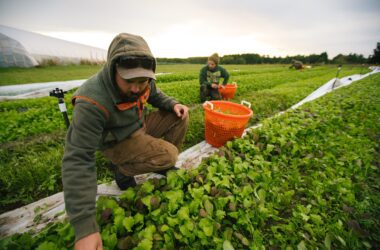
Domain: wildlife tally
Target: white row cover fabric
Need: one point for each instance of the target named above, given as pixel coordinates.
(335, 84)
(41, 47)
(34, 90)
(51, 209)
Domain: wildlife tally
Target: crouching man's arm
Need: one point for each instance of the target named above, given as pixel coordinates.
(79, 172)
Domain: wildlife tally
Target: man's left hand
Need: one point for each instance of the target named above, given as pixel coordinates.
(181, 110)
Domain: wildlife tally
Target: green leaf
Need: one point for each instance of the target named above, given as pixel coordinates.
(304, 216)
(47, 246)
(128, 223)
(328, 240)
(147, 187)
(341, 240)
(269, 148)
(128, 194)
(209, 207)
(227, 234)
(164, 228)
(145, 244)
(187, 228)
(173, 180)
(227, 245)
(146, 201)
(119, 215)
(183, 213)
(301, 246)
(156, 213)
(139, 220)
(316, 219)
(197, 193)
(262, 195)
(175, 198)
(148, 232)
(104, 202)
(66, 232)
(172, 221)
(220, 214)
(207, 226)
(109, 239)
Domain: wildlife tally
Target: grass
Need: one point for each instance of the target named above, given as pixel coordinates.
(32, 131)
(12, 76)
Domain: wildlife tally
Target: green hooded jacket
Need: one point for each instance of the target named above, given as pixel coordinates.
(98, 123)
(207, 76)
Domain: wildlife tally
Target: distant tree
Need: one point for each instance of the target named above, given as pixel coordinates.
(199, 60)
(375, 58)
(227, 59)
(240, 60)
(352, 58)
(254, 58)
(323, 58)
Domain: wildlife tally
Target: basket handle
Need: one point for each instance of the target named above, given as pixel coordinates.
(210, 104)
(246, 103)
(234, 83)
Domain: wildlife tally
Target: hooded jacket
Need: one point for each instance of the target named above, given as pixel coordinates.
(208, 76)
(102, 117)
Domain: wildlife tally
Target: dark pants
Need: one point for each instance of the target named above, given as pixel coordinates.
(208, 91)
(152, 148)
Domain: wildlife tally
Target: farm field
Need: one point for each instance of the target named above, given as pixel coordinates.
(304, 180)
(33, 131)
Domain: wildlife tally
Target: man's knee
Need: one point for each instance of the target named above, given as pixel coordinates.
(185, 121)
(204, 93)
(174, 119)
(171, 157)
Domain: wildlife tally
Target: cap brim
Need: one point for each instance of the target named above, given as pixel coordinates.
(135, 73)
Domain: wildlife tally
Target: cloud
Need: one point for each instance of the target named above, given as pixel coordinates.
(193, 28)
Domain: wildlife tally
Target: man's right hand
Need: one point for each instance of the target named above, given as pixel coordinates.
(90, 242)
(214, 85)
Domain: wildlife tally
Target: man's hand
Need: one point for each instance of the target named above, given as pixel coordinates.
(214, 85)
(181, 110)
(90, 242)
(223, 86)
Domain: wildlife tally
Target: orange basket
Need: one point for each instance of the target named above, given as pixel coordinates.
(228, 91)
(225, 121)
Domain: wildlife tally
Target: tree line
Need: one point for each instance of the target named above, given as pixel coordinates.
(253, 58)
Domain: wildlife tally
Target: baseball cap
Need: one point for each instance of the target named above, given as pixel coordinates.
(132, 67)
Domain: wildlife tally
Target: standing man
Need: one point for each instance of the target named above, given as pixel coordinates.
(109, 115)
(209, 78)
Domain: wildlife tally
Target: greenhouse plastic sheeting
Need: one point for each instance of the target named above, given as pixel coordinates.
(42, 47)
(21, 220)
(13, 54)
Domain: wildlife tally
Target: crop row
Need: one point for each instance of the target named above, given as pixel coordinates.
(40, 155)
(24, 118)
(305, 180)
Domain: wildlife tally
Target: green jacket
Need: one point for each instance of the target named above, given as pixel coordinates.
(207, 76)
(99, 122)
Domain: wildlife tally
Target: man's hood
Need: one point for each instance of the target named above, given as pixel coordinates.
(123, 44)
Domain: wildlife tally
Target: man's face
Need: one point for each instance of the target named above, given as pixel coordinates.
(211, 64)
(132, 87)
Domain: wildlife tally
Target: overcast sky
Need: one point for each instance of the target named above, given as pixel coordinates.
(178, 28)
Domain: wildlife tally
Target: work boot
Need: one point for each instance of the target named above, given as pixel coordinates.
(164, 171)
(124, 181)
